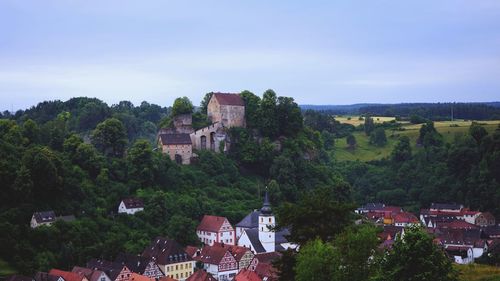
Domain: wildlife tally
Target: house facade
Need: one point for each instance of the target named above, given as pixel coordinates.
(215, 229)
(171, 258)
(177, 146)
(218, 261)
(227, 109)
(42, 218)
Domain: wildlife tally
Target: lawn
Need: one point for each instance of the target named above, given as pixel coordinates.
(354, 120)
(366, 152)
(5, 269)
(478, 272)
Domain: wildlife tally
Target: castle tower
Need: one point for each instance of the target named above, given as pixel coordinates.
(267, 221)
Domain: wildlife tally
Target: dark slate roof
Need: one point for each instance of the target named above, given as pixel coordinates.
(250, 221)
(372, 206)
(448, 206)
(173, 139)
(165, 251)
(280, 236)
(136, 264)
(132, 203)
(18, 278)
(44, 276)
(45, 217)
(112, 269)
(229, 99)
(253, 235)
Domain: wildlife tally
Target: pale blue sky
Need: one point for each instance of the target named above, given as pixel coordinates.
(319, 52)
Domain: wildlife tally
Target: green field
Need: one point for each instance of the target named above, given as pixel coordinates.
(354, 120)
(478, 272)
(366, 152)
(5, 269)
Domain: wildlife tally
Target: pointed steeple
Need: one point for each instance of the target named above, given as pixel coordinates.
(266, 207)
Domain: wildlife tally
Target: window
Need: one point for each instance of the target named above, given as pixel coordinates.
(182, 266)
(176, 267)
(269, 219)
(177, 276)
(182, 275)
(261, 219)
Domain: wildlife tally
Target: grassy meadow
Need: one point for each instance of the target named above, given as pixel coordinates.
(366, 152)
(478, 272)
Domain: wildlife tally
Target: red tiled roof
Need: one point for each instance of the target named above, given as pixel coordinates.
(201, 275)
(212, 254)
(66, 275)
(268, 257)
(456, 224)
(392, 209)
(237, 251)
(405, 217)
(211, 223)
(266, 270)
(191, 250)
(229, 99)
(247, 275)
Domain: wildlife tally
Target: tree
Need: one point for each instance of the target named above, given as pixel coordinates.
(369, 125)
(269, 120)
(182, 106)
(315, 261)
(415, 257)
(205, 101)
(328, 140)
(140, 162)
(31, 131)
(477, 131)
(110, 137)
(252, 104)
(428, 136)
(289, 117)
(402, 150)
(377, 137)
(351, 141)
(312, 216)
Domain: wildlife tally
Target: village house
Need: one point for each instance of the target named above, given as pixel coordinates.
(261, 237)
(214, 229)
(218, 261)
(47, 218)
(130, 206)
(68, 275)
(262, 264)
(227, 109)
(462, 239)
(201, 275)
(178, 146)
(92, 275)
(115, 271)
(138, 277)
(140, 265)
(44, 276)
(42, 218)
(485, 219)
(370, 207)
(405, 219)
(173, 261)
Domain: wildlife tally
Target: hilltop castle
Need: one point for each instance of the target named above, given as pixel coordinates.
(223, 110)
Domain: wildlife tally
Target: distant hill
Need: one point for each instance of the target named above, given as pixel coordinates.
(433, 111)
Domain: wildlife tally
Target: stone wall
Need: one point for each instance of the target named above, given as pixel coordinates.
(228, 115)
(185, 151)
(206, 138)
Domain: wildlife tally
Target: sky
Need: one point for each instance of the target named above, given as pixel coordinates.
(319, 52)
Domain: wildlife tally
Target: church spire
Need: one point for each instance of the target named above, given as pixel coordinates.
(266, 207)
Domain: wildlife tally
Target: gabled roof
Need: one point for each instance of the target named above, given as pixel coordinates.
(229, 99)
(92, 275)
(456, 224)
(253, 236)
(133, 203)
(67, 275)
(250, 221)
(166, 251)
(211, 223)
(191, 250)
(136, 264)
(268, 257)
(175, 138)
(201, 275)
(372, 206)
(112, 269)
(212, 254)
(405, 217)
(45, 217)
(247, 275)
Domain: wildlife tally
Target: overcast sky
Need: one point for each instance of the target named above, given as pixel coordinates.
(319, 52)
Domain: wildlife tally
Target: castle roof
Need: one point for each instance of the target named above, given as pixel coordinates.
(229, 99)
(175, 138)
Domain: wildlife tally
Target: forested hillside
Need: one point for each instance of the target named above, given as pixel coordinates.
(82, 156)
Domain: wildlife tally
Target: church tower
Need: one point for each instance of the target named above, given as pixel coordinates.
(267, 221)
